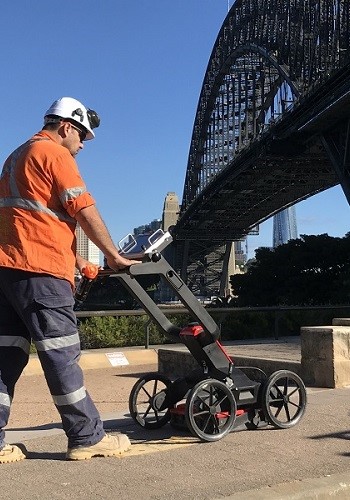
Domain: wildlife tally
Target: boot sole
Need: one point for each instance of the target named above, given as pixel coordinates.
(9, 459)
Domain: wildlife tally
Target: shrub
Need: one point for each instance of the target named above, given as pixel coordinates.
(109, 331)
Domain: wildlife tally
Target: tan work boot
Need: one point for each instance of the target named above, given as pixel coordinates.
(11, 453)
(109, 446)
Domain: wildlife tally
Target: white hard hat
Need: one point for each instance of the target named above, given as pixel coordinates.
(74, 111)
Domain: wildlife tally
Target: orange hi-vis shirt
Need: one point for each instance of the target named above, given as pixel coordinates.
(41, 191)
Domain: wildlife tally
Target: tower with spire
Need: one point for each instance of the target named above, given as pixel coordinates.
(284, 226)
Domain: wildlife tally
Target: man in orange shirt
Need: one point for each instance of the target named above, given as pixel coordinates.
(42, 197)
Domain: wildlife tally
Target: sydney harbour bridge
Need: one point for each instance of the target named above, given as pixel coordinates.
(272, 126)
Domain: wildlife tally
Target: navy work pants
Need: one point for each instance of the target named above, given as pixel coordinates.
(39, 307)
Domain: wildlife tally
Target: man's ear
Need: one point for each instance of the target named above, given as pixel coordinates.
(63, 129)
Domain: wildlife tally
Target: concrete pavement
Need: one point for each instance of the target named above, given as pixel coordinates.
(310, 460)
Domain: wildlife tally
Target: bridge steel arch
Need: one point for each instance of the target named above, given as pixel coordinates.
(271, 126)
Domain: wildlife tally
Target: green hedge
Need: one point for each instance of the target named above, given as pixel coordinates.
(116, 332)
(122, 331)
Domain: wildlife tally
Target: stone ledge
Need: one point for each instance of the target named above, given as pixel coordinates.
(341, 322)
(178, 363)
(325, 355)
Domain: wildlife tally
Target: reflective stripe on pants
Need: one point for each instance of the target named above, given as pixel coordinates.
(40, 307)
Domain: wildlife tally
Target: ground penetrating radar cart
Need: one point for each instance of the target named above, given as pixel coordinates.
(218, 396)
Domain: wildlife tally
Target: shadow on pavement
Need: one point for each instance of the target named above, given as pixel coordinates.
(42, 455)
(42, 427)
(136, 375)
(337, 435)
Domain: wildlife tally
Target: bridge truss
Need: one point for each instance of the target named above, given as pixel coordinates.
(271, 126)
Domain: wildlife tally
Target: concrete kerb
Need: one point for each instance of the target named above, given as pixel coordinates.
(332, 486)
(175, 360)
(103, 358)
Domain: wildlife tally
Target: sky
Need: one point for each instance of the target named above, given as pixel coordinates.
(140, 64)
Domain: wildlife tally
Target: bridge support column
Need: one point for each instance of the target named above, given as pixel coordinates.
(337, 146)
(226, 269)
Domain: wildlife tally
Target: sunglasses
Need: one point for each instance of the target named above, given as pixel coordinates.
(82, 133)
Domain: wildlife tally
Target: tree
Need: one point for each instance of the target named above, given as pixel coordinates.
(310, 270)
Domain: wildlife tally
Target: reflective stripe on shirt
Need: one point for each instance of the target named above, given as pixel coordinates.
(35, 206)
(16, 201)
(72, 193)
(10, 167)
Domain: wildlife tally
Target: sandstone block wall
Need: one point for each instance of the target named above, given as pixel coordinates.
(325, 355)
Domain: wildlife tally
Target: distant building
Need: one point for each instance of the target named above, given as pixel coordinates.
(284, 226)
(86, 248)
(240, 248)
(149, 228)
(170, 211)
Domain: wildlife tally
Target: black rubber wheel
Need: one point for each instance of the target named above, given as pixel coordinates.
(146, 398)
(284, 399)
(210, 411)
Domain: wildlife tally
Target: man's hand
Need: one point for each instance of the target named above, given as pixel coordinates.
(80, 263)
(118, 262)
